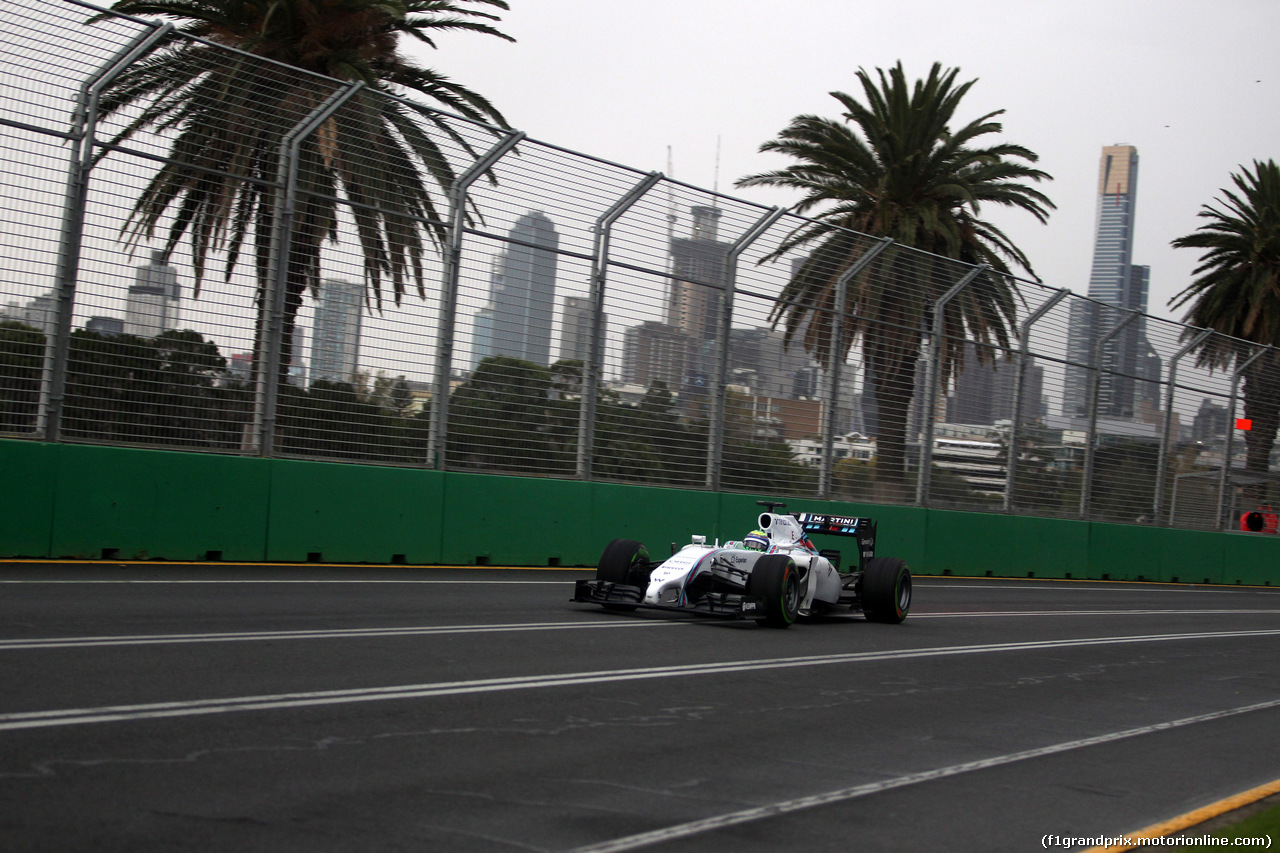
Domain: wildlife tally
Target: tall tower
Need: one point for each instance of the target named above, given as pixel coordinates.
(697, 293)
(1116, 283)
(335, 339)
(698, 277)
(517, 320)
(153, 301)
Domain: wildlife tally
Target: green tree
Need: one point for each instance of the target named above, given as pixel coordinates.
(649, 442)
(190, 367)
(1237, 292)
(227, 117)
(400, 398)
(1044, 485)
(895, 167)
(498, 419)
(163, 390)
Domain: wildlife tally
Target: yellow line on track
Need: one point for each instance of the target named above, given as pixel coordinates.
(1199, 816)
(225, 564)
(399, 566)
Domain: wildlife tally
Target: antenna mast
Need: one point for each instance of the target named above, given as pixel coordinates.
(671, 202)
(715, 186)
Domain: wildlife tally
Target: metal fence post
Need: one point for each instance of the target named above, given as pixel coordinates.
(1230, 434)
(1166, 442)
(272, 310)
(715, 449)
(1095, 398)
(1019, 389)
(831, 413)
(439, 430)
(933, 373)
(594, 367)
(53, 374)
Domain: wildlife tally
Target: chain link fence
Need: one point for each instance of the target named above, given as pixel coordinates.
(539, 312)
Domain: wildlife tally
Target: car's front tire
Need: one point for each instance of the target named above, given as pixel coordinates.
(625, 562)
(775, 580)
(886, 590)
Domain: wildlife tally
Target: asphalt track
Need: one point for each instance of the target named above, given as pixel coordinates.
(277, 708)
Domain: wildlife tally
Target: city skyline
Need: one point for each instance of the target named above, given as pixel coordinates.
(1068, 77)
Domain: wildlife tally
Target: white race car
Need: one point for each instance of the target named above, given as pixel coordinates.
(774, 575)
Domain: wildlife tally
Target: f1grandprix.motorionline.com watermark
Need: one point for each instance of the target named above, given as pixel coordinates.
(1121, 842)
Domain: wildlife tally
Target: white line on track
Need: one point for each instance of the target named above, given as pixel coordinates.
(28, 644)
(319, 634)
(81, 716)
(1150, 612)
(698, 827)
(1136, 587)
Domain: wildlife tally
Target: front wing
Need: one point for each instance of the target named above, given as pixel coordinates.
(726, 605)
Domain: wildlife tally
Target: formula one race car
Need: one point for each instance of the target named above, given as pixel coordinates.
(774, 575)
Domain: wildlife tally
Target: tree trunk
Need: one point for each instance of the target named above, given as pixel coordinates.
(894, 381)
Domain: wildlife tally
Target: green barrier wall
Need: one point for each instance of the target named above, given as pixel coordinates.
(82, 501)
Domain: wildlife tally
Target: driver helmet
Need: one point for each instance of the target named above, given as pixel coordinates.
(756, 540)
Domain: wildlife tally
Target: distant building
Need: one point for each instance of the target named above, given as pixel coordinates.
(297, 375)
(778, 419)
(517, 320)
(105, 325)
(1210, 423)
(575, 328)
(240, 366)
(983, 393)
(655, 352)
(154, 299)
(699, 261)
(758, 360)
(335, 342)
(37, 313)
(1117, 286)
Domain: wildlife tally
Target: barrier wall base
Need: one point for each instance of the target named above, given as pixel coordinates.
(93, 502)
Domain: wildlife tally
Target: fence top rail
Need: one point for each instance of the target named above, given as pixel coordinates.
(1018, 281)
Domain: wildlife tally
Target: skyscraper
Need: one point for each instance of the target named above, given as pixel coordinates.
(655, 352)
(697, 295)
(1114, 283)
(517, 320)
(575, 328)
(335, 341)
(697, 285)
(984, 393)
(154, 297)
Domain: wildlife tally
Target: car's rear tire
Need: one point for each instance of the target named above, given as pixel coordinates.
(775, 580)
(886, 590)
(626, 562)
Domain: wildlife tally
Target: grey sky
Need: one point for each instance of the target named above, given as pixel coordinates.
(1193, 85)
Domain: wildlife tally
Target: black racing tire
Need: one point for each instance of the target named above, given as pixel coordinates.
(775, 580)
(886, 590)
(626, 562)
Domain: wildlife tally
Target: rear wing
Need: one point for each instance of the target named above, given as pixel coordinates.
(862, 529)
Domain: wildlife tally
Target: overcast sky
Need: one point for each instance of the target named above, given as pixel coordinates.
(1194, 85)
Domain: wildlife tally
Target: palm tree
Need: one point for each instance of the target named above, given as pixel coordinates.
(227, 115)
(1237, 293)
(894, 167)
